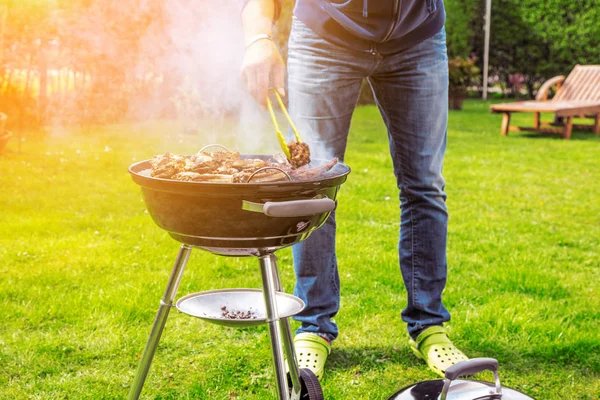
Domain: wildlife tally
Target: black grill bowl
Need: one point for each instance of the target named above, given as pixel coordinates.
(210, 215)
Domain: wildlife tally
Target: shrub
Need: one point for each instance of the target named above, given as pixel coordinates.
(462, 73)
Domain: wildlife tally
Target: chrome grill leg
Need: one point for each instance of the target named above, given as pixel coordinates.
(288, 343)
(159, 322)
(267, 269)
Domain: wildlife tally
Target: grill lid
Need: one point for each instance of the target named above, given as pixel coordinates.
(458, 389)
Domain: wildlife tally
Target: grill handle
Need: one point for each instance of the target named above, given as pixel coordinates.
(292, 208)
(472, 367)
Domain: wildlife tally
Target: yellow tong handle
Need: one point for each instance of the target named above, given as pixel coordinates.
(280, 137)
(287, 116)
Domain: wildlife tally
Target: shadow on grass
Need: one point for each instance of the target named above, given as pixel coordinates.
(580, 357)
(370, 358)
(575, 135)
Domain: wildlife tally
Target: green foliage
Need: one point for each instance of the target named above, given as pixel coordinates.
(87, 61)
(106, 55)
(533, 38)
(516, 46)
(570, 29)
(459, 31)
(462, 73)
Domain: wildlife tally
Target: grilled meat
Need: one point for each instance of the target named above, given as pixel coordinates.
(268, 175)
(229, 167)
(300, 154)
(187, 176)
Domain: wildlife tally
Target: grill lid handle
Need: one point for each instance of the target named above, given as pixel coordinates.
(292, 208)
(472, 367)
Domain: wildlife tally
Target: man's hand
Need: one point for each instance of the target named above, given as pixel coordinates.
(263, 68)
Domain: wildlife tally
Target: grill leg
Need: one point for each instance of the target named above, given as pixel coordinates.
(159, 322)
(286, 335)
(267, 270)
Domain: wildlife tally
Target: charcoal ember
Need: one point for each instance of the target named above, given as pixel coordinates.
(299, 154)
(237, 314)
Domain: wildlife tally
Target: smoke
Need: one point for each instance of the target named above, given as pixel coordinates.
(203, 57)
(156, 60)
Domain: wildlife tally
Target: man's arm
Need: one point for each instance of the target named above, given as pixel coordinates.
(262, 66)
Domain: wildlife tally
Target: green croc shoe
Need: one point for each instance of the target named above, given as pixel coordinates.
(312, 351)
(434, 347)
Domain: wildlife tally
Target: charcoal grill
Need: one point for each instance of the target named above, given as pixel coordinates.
(253, 219)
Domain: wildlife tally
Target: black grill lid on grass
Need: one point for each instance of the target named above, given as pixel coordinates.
(452, 388)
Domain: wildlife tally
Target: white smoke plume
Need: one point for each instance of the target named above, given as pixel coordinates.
(205, 52)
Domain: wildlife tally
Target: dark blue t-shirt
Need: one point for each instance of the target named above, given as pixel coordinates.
(383, 26)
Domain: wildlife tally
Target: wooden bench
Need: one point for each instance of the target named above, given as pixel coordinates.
(577, 96)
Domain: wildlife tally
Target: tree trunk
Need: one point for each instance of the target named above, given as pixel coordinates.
(9, 79)
(28, 79)
(530, 88)
(43, 97)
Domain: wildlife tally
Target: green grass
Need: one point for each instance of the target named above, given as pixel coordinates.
(83, 267)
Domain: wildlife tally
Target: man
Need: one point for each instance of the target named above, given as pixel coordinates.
(400, 47)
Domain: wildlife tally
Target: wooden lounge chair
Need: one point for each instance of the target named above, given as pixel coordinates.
(577, 96)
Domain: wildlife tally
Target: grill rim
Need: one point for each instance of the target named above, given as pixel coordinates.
(329, 178)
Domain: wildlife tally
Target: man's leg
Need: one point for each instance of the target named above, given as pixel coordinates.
(324, 85)
(411, 89)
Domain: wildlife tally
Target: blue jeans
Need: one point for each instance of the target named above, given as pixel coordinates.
(411, 90)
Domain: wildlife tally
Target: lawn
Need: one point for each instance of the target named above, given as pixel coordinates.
(83, 267)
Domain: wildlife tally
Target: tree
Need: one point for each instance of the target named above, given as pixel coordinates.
(460, 34)
(530, 39)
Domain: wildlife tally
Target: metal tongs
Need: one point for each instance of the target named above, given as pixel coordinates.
(280, 137)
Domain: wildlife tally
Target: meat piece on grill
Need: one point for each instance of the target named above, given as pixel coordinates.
(226, 156)
(201, 157)
(299, 154)
(249, 163)
(222, 178)
(268, 175)
(187, 176)
(160, 160)
(205, 167)
(166, 165)
(164, 171)
(225, 169)
(196, 177)
(308, 173)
